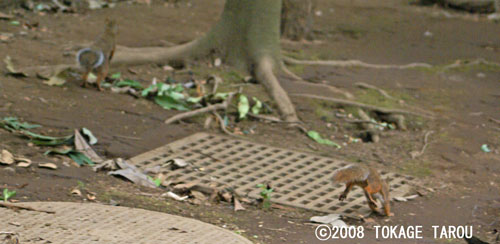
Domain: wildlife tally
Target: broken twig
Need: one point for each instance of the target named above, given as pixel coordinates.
(207, 109)
(426, 143)
(221, 123)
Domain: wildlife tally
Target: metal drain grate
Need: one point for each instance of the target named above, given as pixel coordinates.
(300, 179)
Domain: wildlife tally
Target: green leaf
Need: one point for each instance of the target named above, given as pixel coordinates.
(58, 151)
(317, 137)
(88, 133)
(168, 103)
(146, 91)
(221, 95)
(194, 99)
(175, 95)
(157, 182)
(47, 140)
(485, 148)
(132, 83)
(7, 194)
(12, 123)
(76, 156)
(15, 22)
(243, 106)
(116, 76)
(80, 158)
(163, 88)
(258, 105)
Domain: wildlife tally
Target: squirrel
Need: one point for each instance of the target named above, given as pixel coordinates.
(368, 179)
(98, 56)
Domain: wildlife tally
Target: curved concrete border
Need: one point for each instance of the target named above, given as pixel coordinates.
(82, 223)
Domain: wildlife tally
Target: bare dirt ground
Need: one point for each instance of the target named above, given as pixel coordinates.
(464, 100)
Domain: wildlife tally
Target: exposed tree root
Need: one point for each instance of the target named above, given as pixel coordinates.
(353, 63)
(366, 106)
(379, 90)
(266, 118)
(358, 63)
(494, 120)
(297, 78)
(264, 73)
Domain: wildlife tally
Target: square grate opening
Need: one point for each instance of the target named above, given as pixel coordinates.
(300, 179)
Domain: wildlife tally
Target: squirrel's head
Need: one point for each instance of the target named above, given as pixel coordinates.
(111, 26)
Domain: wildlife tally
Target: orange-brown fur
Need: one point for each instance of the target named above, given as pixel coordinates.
(105, 44)
(369, 180)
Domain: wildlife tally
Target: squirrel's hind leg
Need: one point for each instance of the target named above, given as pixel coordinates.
(102, 73)
(85, 76)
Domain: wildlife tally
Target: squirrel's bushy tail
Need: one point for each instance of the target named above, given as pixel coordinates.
(89, 58)
(350, 173)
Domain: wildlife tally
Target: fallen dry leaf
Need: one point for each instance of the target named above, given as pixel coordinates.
(186, 186)
(21, 159)
(76, 192)
(6, 157)
(237, 205)
(5, 36)
(10, 67)
(227, 196)
(47, 165)
(91, 197)
(23, 164)
(6, 16)
(198, 195)
(82, 146)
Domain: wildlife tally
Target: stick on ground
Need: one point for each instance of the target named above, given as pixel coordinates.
(207, 109)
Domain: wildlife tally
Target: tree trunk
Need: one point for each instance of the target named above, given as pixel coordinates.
(297, 19)
(246, 36)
